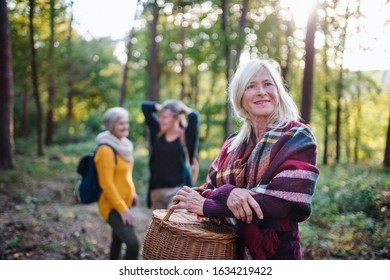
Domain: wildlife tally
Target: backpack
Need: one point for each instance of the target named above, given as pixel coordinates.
(88, 189)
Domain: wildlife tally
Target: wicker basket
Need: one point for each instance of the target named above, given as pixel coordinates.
(183, 237)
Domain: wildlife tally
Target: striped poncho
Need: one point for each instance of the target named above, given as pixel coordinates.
(281, 169)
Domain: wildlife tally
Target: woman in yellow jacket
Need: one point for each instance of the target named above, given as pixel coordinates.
(115, 179)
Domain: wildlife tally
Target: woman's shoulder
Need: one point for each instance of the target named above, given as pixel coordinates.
(104, 150)
(228, 141)
(296, 125)
(295, 128)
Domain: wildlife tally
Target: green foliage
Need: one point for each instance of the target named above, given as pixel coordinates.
(351, 213)
(192, 62)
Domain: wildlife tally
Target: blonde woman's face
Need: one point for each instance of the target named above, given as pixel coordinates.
(260, 96)
(121, 128)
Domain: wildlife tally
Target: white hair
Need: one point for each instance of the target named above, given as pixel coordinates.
(285, 111)
(112, 115)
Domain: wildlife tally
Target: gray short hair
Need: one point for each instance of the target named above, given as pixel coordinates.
(112, 115)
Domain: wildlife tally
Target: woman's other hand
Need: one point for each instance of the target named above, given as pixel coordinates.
(189, 199)
(135, 200)
(241, 203)
(127, 218)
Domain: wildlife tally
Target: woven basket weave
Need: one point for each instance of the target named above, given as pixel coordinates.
(184, 237)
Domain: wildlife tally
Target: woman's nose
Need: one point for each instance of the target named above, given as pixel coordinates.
(261, 92)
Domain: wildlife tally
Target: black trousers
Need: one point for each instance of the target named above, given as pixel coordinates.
(122, 233)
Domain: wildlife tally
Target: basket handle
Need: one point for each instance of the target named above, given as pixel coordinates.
(166, 218)
(168, 215)
(170, 211)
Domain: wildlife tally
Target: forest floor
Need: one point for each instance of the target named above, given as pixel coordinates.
(37, 227)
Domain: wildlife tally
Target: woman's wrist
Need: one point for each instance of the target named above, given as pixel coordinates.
(213, 208)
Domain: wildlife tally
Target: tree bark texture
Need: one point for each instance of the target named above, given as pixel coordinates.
(7, 159)
(228, 109)
(240, 31)
(154, 64)
(122, 95)
(34, 78)
(50, 80)
(340, 88)
(359, 118)
(183, 66)
(327, 115)
(308, 74)
(26, 100)
(289, 44)
(387, 149)
(69, 72)
(338, 115)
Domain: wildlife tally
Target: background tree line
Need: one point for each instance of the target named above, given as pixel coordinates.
(55, 84)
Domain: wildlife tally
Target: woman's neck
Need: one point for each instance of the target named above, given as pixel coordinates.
(116, 136)
(173, 134)
(259, 129)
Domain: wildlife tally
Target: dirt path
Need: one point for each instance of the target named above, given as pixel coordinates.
(33, 228)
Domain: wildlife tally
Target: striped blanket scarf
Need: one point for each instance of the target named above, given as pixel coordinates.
(282, 165)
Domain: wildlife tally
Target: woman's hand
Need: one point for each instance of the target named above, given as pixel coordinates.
(189, 199)
(135, 200)
(241, 203)
(187, 110)
(127, 218)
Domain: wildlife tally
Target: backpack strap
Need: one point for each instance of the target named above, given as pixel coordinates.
(105, 144)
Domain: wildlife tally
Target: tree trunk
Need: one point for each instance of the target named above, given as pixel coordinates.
(347, 131)
(123, 89)
(50, 80)
(154, 66)
(286, 67)
(7, 160)
(308, 74)
(327, 111)
(240, 31)
(195, 87)
(34, 77)
(386, 162)
(228, 109)
(68, 67)
(326, 128)
(183, 66)
(207, 114)
(338, 114)
(327, 93)
(24, 124)
(340, 87)
(358, 119)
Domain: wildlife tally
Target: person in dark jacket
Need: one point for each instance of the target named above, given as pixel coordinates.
(263, 179)
(174, 143)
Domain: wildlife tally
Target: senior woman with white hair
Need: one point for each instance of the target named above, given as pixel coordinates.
(266, 173)
(115, 178)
